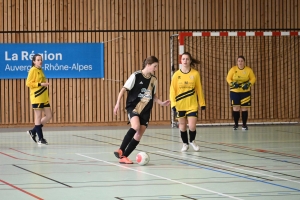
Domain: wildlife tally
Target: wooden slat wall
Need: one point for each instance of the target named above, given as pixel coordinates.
(133, 30)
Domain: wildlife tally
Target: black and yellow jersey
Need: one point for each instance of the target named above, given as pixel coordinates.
(141, 91)
(38, 94)
(186, 91)
(240, 76)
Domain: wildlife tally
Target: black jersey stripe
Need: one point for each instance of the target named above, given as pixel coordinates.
(39, 92)
(185, 96)
(185, 93)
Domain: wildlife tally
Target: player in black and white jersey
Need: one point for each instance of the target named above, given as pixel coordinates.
(141, 87)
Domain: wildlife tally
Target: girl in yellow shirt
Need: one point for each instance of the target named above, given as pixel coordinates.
(39, 98)
(240, 78)
(186, 96)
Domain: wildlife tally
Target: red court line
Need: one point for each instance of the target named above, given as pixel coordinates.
(21, 190)
(22, 158)
(40, 156)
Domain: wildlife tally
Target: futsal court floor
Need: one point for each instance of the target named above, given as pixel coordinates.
(262, 163)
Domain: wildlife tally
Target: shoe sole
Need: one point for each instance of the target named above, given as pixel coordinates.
(31, 137)
(117, 154)
(125, 163)
(184, 150)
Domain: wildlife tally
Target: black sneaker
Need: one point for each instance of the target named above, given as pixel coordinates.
(32, 136)
(244, 127)
(235, 127)
(43, 141)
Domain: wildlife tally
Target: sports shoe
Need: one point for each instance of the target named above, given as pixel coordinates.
(244, 127)
(235, 127)
(42, 141)
(118, 153)
(125, 160)
(32, 136)
(195, 146)
(185, 147)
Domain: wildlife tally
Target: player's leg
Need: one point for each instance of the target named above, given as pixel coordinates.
(182, 124)
(129, 141)
(143, 122)
(135, 126)
(236, 106)
(245, 104)
(44, 120)
(38, 126)
(192, 120)
(48, 113)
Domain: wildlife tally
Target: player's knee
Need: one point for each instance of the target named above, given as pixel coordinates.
(135, 127)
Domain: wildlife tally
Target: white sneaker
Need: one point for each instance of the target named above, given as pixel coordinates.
(185, 147)
(195, 146)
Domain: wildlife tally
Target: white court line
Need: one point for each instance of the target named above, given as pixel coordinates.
(226, 166)
(161, 177)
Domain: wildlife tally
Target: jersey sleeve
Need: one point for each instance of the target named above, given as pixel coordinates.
(130, 82)
(252, 78)
(173, 89)
(155, 85)
(31, 79)
(200, 94)
(230, 75)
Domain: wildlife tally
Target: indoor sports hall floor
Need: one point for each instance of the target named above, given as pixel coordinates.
(261, 163)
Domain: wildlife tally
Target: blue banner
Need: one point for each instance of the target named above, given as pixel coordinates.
(60, 60)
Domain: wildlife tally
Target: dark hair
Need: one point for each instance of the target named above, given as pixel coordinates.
(193, 60)
(150, 60)
(242, 57)
(33, 59)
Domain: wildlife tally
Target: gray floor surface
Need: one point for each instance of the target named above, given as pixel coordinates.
(261, 163)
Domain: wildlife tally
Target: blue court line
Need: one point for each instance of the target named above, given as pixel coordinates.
(253, 179)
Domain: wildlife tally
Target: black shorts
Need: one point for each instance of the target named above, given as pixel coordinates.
(190, 113)
(144, 117)
(41, 105)
(240, 99)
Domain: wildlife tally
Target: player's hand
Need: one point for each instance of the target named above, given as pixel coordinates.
(116, 109)
(234, 85)
(45, 84)
(246, 86)
(166, 103)
(203, 107)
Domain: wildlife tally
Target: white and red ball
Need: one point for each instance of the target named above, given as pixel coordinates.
(142, 158)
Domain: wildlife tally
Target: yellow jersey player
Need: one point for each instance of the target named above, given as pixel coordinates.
(39, 98)
(240, 79)
(186, 95)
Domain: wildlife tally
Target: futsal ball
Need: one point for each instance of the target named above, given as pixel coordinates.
(142, 158)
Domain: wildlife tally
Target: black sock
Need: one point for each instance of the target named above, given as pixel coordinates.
(192, 135)
(184, 137)
(244, 117)
(127, 138)
(131, 146)
(236, 117)
(34, 131)
(39, 131)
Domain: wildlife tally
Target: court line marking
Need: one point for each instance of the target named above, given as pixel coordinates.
(226, 166)
(43, 176)
(161, 177)
(13, 186)
(231, 174)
